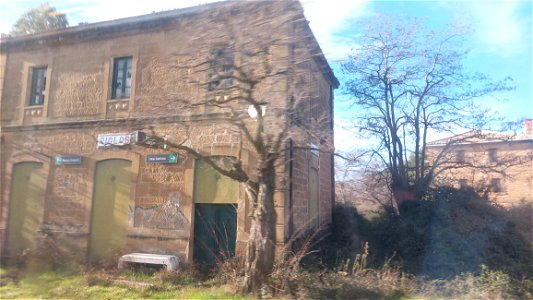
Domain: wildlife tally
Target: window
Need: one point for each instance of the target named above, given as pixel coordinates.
(493, 155)
(121, 78)
(496, 185)
(38, 86)
(460, 156)
(463, 183)
(316, 109)
(221, 69)
(313, 199)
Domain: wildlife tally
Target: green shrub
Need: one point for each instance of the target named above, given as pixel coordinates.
(447, 233)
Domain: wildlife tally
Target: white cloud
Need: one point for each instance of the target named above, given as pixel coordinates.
(328, 18)
(347, 138)
(498, 25)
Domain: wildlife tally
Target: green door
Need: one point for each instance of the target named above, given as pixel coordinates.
(215, 232)
(109, 220)
(215, 214)
(25, 206)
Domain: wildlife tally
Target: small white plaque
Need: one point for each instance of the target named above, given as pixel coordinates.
(114, 139)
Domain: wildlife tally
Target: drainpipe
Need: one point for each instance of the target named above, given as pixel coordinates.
(291, 167)
(332, 156)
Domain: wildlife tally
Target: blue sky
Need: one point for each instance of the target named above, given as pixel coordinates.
(501, 42)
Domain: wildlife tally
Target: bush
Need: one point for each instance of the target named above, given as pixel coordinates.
(46, 255)
(447, 233)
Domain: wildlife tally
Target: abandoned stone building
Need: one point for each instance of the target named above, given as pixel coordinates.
(78, 107)
(496, 164)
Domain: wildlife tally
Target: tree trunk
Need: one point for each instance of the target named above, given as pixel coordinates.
(261, 244)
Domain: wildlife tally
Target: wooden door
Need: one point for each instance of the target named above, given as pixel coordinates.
(25, 206)
(109, 219)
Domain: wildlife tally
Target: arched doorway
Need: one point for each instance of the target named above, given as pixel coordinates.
(109, 218)
(25, 206)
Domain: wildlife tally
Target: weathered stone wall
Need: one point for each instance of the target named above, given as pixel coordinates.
(161, 210)
(514, 168)
(169, 66)
(311, 94)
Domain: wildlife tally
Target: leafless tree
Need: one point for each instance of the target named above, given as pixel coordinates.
(239, 71)
(410, 82)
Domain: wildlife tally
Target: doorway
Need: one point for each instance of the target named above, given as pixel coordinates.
(215, 232)
(215, 213)
(25, 206)
(111, 196)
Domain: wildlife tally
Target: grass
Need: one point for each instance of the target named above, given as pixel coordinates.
(391, 283)
(384, 283)
(98, 285)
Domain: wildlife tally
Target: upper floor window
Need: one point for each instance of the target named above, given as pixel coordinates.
(463, 183)
(121, 78)
(460, 156)
(496, 185)
(316, 109)
(493, 155)
(38, 86)
(221, 69)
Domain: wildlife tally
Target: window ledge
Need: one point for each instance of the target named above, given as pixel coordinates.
(118, 105)
(34, 111)
(118, 99)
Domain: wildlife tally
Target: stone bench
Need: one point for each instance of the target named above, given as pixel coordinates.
(170, 261)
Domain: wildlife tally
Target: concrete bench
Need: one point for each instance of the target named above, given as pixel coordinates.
(170, 261)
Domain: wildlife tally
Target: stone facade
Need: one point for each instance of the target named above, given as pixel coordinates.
(168, 51)
(498, 165)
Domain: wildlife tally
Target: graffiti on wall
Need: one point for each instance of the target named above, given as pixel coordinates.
(167, 215)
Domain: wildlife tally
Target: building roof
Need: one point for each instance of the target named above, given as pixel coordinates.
(480, 137)
(109, 28)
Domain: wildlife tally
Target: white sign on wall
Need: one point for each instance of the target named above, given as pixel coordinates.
(114, 139)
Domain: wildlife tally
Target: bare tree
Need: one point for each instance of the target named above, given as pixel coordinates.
(243, 79)
(410, 83)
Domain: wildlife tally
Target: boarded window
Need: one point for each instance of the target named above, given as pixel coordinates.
(460, 156)
(221, 69)
(463, 183)
(212, 187)
(493, 155)
(496, 185)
